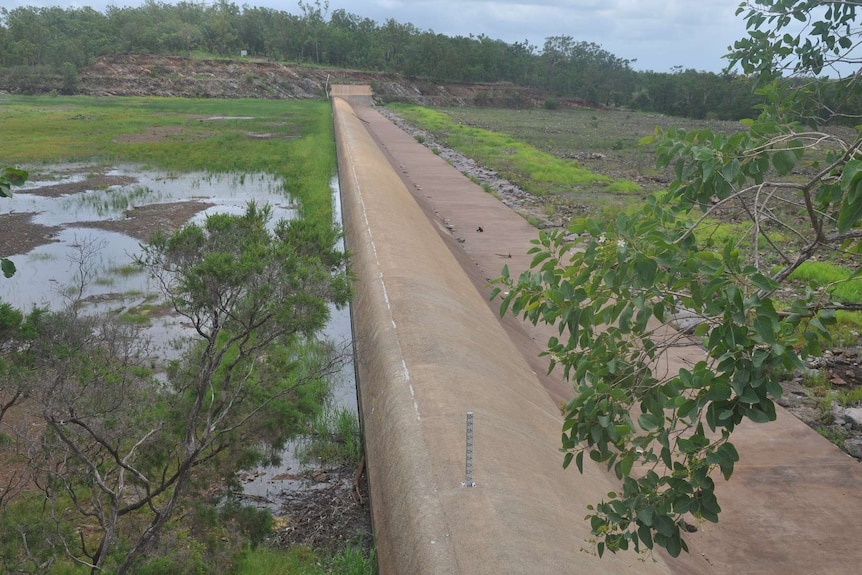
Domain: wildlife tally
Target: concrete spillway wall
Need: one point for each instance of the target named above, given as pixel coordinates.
(429, 350)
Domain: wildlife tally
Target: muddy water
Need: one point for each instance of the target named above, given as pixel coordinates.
(46, 271)
(47, 275)
(266, 484)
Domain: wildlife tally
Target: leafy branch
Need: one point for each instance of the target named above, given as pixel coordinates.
(661, 425)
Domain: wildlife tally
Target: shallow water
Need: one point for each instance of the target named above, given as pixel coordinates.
(49, 269)
(46, 275)
(265, 484)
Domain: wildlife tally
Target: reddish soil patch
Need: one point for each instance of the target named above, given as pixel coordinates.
(96, 182)
(142, 222)
(19, 235)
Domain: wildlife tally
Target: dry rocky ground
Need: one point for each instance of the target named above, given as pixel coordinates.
(175, 76)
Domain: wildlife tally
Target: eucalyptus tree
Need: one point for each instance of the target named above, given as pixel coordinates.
(615, 288)
(313, 20)
(122, 452)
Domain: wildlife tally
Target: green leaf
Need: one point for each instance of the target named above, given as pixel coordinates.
(765, 328)
(851, 210)
(783, 161)
(648, 421)
(626, 464)
(7, 267)
(539, 258)
(756, 415)
(665, 525)
(762, 282)
(646, 516)
(645, 535)
(852, 171)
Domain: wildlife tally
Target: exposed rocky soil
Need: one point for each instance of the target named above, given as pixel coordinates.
(808, 397)
(174, 76)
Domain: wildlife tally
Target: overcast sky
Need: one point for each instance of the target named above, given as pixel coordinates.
(657, 34)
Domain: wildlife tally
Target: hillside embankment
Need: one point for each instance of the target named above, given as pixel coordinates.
(176, 76)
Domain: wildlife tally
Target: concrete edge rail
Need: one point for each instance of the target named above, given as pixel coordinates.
(429, 350)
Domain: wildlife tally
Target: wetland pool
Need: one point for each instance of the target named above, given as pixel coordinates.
(81, 225)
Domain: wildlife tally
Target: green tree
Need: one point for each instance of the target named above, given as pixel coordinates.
(615, 291)
(313, 21)
(121, 452)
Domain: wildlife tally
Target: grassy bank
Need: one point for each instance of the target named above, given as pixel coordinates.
(539, 172)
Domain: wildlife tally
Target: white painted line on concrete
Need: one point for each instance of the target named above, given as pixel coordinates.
(405, 370)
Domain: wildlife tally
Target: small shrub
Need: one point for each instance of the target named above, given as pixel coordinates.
(533, 220)
(70, 78)
(551, 104)
(10, 318)
(835, 435)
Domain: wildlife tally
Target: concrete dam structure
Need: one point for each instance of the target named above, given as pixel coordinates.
(430, 349)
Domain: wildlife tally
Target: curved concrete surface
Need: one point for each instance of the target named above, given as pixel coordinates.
(794, 505)
(429, 349)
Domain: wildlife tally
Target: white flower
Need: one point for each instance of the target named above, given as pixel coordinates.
(621, 243)
(602, 239)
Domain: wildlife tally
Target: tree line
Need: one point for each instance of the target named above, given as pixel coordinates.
(68, 39)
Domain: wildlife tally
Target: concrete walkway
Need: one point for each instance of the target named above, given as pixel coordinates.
(794, 504)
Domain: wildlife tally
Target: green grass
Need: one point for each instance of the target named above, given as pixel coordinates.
(177, 135)
(836, 279)
(127, 270)
(304, 561)
(538, 172)
(334, 439)
(113, 201)
(836, 436)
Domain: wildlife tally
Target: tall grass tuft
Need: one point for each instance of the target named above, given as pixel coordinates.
(334, 439)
